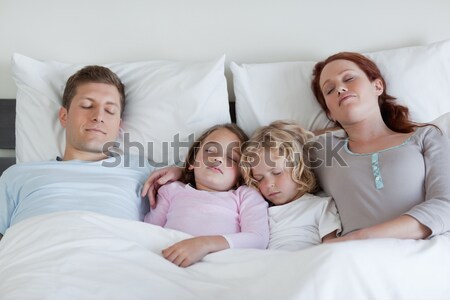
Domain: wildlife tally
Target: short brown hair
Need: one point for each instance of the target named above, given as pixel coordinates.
(188, 175)
(95, 74)
(289, 139)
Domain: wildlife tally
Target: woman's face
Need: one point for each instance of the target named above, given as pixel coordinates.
(349, 94)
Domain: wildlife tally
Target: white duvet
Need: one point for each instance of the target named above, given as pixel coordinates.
(80, 255)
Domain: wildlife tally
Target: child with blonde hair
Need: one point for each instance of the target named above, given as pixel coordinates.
(210, 203)
(274, 161)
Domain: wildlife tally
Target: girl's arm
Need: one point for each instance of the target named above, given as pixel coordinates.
(254, 221)
(190, 251)
(157, 179)
(158, 215)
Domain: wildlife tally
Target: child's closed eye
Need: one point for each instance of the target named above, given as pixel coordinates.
(235, 160)
(210, 150)
(258, 178)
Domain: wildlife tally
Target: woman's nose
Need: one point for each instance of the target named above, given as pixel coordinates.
(341, 90)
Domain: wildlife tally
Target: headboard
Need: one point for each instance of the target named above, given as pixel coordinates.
(7, 134)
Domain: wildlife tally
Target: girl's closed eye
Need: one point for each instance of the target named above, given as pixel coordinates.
(210, 150)
(234, 159)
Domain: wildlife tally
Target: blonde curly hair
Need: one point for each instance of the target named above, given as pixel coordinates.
(289, 140)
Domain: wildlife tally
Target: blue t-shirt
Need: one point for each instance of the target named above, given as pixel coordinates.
(111, 187)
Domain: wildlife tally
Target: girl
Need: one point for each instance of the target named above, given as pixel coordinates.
(209, 203)
(394, 183)
(273, 160)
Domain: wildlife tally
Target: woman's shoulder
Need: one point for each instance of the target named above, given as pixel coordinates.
(429, 133)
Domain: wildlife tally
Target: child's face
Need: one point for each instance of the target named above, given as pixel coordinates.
(217, 162)
(274, 178)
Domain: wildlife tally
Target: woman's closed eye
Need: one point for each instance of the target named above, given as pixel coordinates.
(329, 90)
(349, 78)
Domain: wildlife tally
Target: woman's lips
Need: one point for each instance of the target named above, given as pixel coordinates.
(345, 97)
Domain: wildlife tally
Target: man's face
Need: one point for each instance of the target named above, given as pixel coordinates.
(92, 120)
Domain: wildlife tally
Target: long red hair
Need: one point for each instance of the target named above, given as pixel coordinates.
(394, 115)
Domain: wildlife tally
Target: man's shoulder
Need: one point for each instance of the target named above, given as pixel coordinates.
(19, 170)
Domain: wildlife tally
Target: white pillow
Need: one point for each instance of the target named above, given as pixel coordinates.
(443, 122)
(163, 99)
(419, 77)
(274, 91)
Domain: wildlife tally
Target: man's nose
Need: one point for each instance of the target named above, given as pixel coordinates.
(98, 115)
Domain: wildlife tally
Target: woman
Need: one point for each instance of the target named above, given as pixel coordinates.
(389, 176)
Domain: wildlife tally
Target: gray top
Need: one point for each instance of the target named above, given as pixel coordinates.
(412, 178)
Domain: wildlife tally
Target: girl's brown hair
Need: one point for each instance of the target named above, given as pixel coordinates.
(187, 174)
(395, 116)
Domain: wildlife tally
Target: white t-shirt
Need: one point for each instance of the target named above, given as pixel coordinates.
(302, 223)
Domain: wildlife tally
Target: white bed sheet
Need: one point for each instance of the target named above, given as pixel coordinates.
(81, 255)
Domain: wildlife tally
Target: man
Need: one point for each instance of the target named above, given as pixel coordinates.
(83, 179)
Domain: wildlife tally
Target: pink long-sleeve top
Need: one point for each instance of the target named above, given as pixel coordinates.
(240, 215)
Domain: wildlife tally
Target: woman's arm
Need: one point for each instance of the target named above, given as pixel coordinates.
(403, 227)
(190, 251)
(434, 212)
(330, 236)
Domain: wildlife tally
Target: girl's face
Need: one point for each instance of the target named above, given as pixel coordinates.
(274, 178)
(349, 94)
(216, 166)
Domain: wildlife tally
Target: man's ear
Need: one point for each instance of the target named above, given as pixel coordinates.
(379, 88)
(62, 115)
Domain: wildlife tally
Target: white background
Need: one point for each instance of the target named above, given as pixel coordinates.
(101, 31)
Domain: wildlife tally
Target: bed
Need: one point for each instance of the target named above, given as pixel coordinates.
(84, 255)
